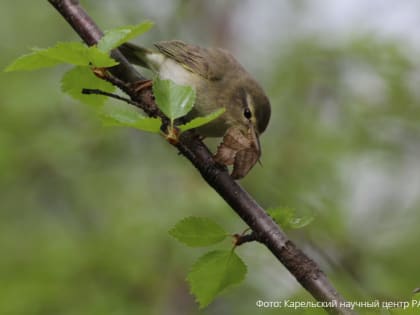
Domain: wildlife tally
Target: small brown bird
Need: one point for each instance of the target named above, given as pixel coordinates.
(219, 81)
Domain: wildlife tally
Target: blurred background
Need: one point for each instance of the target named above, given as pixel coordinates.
(85, 209)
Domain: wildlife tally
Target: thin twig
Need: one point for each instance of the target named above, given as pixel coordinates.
(240, 239)
(112, 95)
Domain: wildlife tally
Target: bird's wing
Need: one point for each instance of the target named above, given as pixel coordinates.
(209, 63)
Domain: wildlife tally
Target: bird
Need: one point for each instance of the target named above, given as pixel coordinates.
(220, 81)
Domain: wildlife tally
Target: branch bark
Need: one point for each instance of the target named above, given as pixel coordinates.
(266, 231)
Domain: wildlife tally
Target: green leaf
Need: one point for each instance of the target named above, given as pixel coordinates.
(287, 218)
(214, 272)
(199, 121)
(115, 37)
(125, 115)
(79, 78)
(73, 53)
(98, 58)
(31, 61)
(78, 54)
(196, 232)
(174, 100)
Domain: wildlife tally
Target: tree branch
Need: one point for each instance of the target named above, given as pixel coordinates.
(243, 238)
(266, 231)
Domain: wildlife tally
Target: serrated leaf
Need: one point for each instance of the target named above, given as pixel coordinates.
(199, 121)
(79, 78)
(31, 61)
(214, 272)
(67, 52)
(174, 100)
(115, 37)
(78, 54)
(287, 218)
(196, 232)
(127, 116)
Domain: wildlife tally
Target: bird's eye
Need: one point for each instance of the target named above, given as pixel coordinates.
(247, 113)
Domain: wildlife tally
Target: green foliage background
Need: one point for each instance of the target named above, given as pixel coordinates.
(85, 210)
